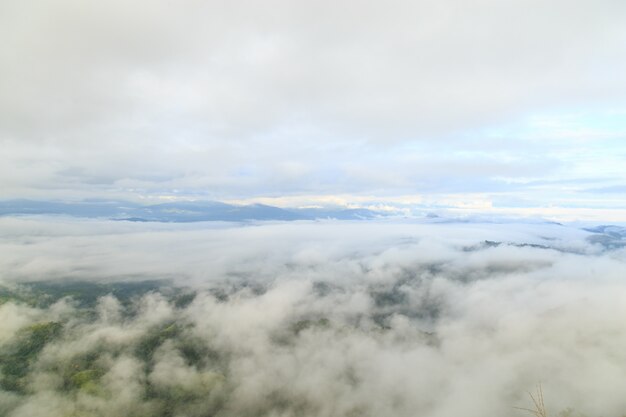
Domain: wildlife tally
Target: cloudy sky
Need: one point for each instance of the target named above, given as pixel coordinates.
(515, 106)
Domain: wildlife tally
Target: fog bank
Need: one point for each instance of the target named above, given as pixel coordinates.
(308, 319)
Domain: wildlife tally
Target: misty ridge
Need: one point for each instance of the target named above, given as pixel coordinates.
(179, 211)
(326, 318)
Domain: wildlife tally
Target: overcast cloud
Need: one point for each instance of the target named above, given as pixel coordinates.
(223, 100)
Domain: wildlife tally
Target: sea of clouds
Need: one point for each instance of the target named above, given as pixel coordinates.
(381, 318)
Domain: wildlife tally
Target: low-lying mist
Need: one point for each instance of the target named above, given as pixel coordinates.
(102, 318)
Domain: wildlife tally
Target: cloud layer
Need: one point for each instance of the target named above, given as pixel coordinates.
(310, 319)
(241, 99)
(240, 69)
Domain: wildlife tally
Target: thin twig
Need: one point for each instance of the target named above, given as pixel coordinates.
(537, 399)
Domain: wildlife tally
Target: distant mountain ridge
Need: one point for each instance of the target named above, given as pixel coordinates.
(610, 236)
(178, 212)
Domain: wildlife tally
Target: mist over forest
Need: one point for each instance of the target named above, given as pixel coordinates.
(326, 318)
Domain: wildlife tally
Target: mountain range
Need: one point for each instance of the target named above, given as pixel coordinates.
(178, 212)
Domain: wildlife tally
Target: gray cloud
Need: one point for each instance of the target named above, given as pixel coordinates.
(243, 68)
(197, 97)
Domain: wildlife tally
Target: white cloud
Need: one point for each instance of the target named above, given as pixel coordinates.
(247, 99)
(335, 319)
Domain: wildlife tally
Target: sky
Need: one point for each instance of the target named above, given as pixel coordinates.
(515, 107)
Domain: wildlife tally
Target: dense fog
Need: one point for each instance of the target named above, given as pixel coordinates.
(327, 318)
